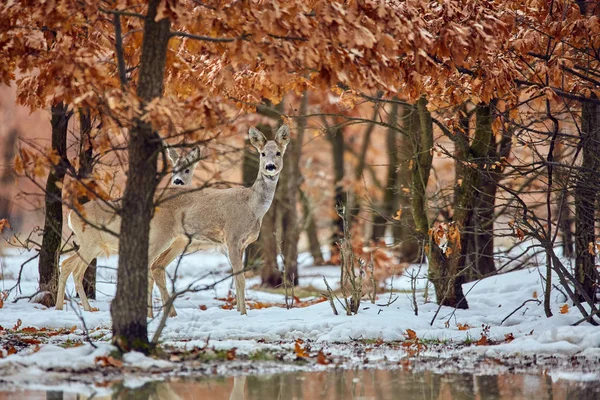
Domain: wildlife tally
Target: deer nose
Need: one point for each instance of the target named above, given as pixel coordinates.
(177, 182)
(271, 167)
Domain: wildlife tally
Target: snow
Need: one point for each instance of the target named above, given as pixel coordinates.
(490, 301)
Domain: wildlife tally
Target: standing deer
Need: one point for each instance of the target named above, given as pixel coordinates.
(229, 217)
(183, 172)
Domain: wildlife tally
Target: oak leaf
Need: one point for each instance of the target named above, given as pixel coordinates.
(299, 349)
(564, 309)
(322, 358)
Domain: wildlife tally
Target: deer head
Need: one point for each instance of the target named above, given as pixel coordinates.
(183, 165)
(270, 151)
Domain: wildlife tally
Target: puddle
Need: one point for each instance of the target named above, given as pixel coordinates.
(334, 385)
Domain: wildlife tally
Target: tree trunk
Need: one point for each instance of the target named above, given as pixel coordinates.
(478, 235)
(586, 192)
(409, 247)
(85, 169)
(390, 199)
(291, 227)
(7, 176)
(50, 251)
(564, 211)
(442, 266)
(270, 275)
(249, 174)
(340, 198)
(311, 231)
(128, 309)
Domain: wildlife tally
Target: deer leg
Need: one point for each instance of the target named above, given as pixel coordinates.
(156, 253)
(150, 289)
(78, 278)
(235, 258)
(158, 270)
(76, 264)
(66, 269)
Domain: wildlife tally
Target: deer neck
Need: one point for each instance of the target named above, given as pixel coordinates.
(263, 192)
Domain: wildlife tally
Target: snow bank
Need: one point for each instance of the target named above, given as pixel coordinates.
(200, 315)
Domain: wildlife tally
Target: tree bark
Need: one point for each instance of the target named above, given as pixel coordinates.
(85, 169)
(311, 231)
(390, 198)
(409, 247)
(291, 227)
(443, 271)
(249, 174)
(586, 200)
(48, 266)
(7, 176)
(268, 247)
(338, 146)
(477, 236)
(128, 308)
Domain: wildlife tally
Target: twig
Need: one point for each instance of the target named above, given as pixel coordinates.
(330, 296)
(518, 308)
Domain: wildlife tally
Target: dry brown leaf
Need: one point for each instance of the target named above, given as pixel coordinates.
(4, 224)
(410, 334)
(483, 341)
(108, 361)
(464, 327)
(299, 349)
(17, 325)
(564, 309)
(322, 358)
(231, 354)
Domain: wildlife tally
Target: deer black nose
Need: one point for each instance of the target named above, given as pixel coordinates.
(271, 167)
(177, 182)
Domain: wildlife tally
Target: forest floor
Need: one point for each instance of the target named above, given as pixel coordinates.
(504, 329)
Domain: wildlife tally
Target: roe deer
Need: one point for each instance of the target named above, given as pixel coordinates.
(184, 166)
(230, 217)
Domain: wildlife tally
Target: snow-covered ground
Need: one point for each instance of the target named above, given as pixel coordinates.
(202, 318)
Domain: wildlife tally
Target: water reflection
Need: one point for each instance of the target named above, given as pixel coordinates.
(344, 385)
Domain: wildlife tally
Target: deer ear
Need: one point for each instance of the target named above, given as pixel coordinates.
(194, 154)
(173, 155)
(282, 137)
(257, 139)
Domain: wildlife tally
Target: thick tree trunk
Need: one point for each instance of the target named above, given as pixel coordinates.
(443, 267)
(390, 199)
(50, 251)
(477, 203)
(409, 247)
(586, 203)
(85, 169)
(128, 309)
(291, 227)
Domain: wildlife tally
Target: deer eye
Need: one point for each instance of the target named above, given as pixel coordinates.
(187, 171)
(263, 154)
(278, 153)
